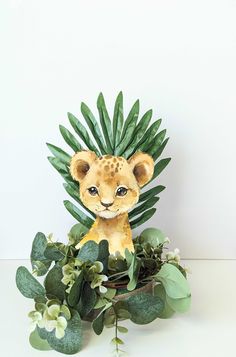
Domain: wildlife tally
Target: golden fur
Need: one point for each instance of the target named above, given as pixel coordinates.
(105, 175)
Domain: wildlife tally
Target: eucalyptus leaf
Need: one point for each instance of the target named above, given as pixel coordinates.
(133, 272)
(144, 307)
(27, 284)
(98, 324)
(53, 285)
(76, 290)
(53, 252)
(71, 343)
(175, 284)
(89, 252)
(39, 262)
(167, 311)
(37, 342)
(88, 300)
(103, 254)
(179, 305)
(77, 233)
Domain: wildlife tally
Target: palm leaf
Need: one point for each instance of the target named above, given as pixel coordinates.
(159, 167)
(70, 139)
(75, 195)
(150, 193)
(159, 151)
(63, 170)
(60, 154)
(82, 132)
(93, 126)
(118, 119)
(105, 122)
(156, 142)
(143, 218)
(129, 128)
(138, 134)
(143, 207)
(148, 136)
(78, 215)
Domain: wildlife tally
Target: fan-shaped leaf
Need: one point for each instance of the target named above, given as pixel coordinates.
(143, 218)
(143, 207)
(138, 134)
(159, 167)
(148, 136)
(93, 126)
(63, 170)
(159, 151)
(82, 132)
(118, 119)
(105, 123)
(60, 154)
(156, 142)
(70, 139)
(77, 214)
(129, 128)
(150, 193)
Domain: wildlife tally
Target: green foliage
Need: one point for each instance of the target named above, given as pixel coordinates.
(89, 252)
(38, 343)
(71, 343)
(76, 287)
(55, 289)
(175, 284)
(121, 137)
(27, 284)
(40, 263)
(144, 308)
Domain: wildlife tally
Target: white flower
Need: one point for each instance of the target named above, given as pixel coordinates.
(173, 255)
(166, 240)
(37, 319)
(187, 270)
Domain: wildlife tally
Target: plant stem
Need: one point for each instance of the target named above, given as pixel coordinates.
(120, 273)
(116, 334)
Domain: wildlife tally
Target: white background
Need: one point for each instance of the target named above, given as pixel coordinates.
(177, 56)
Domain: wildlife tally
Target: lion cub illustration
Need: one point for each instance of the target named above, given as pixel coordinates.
(110, 187)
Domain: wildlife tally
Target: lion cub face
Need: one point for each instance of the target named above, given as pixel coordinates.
(110, 185)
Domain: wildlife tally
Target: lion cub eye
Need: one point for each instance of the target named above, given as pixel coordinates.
(93, 191)
(121, 191)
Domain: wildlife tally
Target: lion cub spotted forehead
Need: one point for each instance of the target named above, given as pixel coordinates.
(110, 167)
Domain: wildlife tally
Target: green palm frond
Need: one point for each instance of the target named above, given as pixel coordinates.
(121, 137)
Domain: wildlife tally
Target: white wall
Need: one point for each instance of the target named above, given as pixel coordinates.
(177, 56)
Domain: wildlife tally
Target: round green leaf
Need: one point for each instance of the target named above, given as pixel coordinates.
(88, 252)
(144, 308)
(98, 324)
(179, 305)
(75, 292)
(153, 236)
(72, 341)
(77, 232)
(37, 342)
(39, 262)
(87, 301)
(175, 284)
(27, 284)
(167, 311)
(53, 285)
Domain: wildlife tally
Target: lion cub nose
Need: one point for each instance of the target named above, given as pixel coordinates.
(107, 204)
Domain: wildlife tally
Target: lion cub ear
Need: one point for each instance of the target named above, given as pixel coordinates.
(80, 164)
(142, 166)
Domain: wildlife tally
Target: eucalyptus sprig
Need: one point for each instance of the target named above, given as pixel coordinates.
(90, 284)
